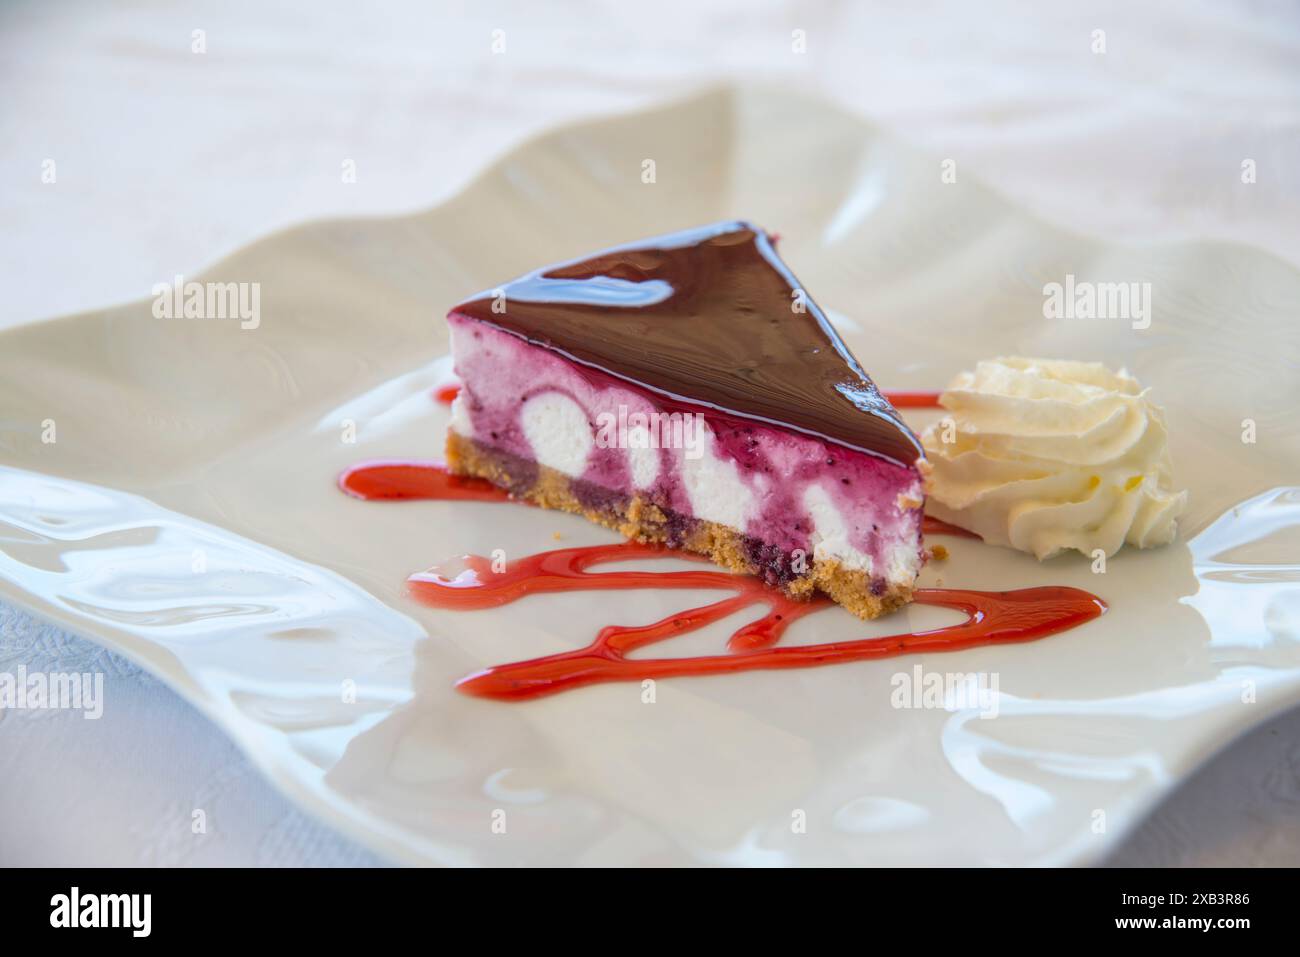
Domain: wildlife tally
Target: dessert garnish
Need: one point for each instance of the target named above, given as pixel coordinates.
(1047, 455)
(998, 617)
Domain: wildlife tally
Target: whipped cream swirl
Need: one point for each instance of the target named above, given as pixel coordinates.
(1046, 455)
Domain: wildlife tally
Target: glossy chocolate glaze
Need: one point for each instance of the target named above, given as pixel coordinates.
(705, 317)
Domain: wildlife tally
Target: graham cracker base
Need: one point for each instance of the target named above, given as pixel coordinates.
(641, 520)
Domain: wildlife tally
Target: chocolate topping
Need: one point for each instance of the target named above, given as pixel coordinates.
(707, 317)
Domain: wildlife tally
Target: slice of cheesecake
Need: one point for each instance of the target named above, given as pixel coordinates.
(686, 390)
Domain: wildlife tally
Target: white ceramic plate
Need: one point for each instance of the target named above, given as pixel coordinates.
(186, 516)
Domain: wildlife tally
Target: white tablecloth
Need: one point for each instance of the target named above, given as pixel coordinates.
(165, 159)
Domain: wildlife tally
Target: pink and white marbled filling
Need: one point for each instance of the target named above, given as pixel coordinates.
(788, 490)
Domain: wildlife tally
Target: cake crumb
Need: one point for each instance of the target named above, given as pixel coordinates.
(557, 536)
(939, 553)
(926, 469)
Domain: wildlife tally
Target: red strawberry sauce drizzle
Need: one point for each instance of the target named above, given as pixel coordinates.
(993, 617)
